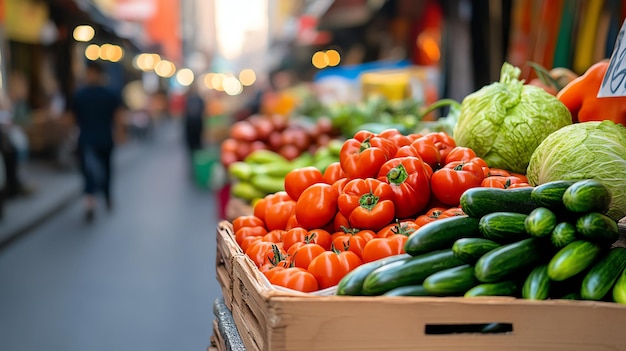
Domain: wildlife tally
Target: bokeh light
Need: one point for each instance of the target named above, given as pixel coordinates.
(83, 33)
(333, 57)
(146, 62)
(232, 86)
(92, 52)
(165, 69)
(116, 53)
(319, 60)
(105, 51)
(247, 77)
(217, 81)
(185, 77)
(208, 80)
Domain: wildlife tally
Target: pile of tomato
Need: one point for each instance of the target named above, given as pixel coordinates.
(362, 208)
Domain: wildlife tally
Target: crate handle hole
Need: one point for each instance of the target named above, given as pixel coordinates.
(472, 328)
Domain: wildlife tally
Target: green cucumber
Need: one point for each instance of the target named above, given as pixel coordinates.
(597, 227)
(571, 296)
(537, 284)
(408, 290)
(504, 261)
(268, 184)
(503, 227)
(469, 250)
(479, 201)
(550, 194)
(573, 259)
(410, 272)
(619, 289)
(441, 234)
(451, 281)
(503, 288)
(540, 222)
(352, 283)
(563, 234)
(603, 274)
(587, 195)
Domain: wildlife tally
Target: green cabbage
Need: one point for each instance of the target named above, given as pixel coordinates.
(589, 150)
(505, 121)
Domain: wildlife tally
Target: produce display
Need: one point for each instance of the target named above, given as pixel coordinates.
(289, 137)
(516, 249)
(518, 200)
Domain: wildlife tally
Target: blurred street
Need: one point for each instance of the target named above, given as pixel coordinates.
(138, 278)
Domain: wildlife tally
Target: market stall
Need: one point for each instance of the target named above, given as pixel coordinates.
(500, 226)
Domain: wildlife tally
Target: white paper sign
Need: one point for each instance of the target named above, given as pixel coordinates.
(614, 82)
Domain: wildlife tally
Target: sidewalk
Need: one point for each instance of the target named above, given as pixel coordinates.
(55, 188)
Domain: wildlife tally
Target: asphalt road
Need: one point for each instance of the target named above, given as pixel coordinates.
(139, 278)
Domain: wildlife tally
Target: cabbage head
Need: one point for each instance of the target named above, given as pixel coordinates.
(505, 121)
(589, 150)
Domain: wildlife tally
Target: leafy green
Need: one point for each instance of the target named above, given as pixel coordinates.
(505, 121)
(589, 150)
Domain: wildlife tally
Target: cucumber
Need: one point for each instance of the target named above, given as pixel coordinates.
(503, 227)
(563, 234)
(352, 283)
(503, 288)
(504, 261)
(587, 195)
(451, 281)
(408, 290)
(540, 222)
(573, 259)
(571, 296)
(441, 234)
(479, 201)
(597, 227)
(603, 274)
(410, 272)
(469, 250)
(537, 284)
(619, 289)
(550, 194)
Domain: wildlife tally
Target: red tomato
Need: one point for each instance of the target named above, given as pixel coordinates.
(268, 201)
(339, 222)
(362, 155)
(497, 172)
(295, 278)
(460, 153)
(352, 240)
(247, 241)
(301, 178)
(277, 215)
(316, 206)
(333, 173)
(339, 184)
(329, 267)
(428, 152)
(269, 270)
(384, 247)
(244, 232)
(292, 222)
(304, 254)
(521, 177)
(451, 212)
(395, 136)
(263, 252)
(317, 236)
(408, 177)
(520, 185)
(430, 216)
(367, 203)
(449, 182)
(275, 236)
(246, 221)
(443, 141)
(405, 227)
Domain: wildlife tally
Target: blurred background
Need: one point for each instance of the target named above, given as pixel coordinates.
(142, 276)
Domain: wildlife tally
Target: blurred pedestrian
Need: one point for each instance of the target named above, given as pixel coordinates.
(194, 120)
(97, 112)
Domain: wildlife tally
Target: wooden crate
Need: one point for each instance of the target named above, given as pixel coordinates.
(227, 250)
(217, 341)
(272, 319)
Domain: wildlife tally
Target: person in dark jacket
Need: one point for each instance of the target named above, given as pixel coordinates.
(96, 110)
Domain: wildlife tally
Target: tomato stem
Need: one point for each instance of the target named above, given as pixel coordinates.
(365, 145)
(368, 201)
(397, 175)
